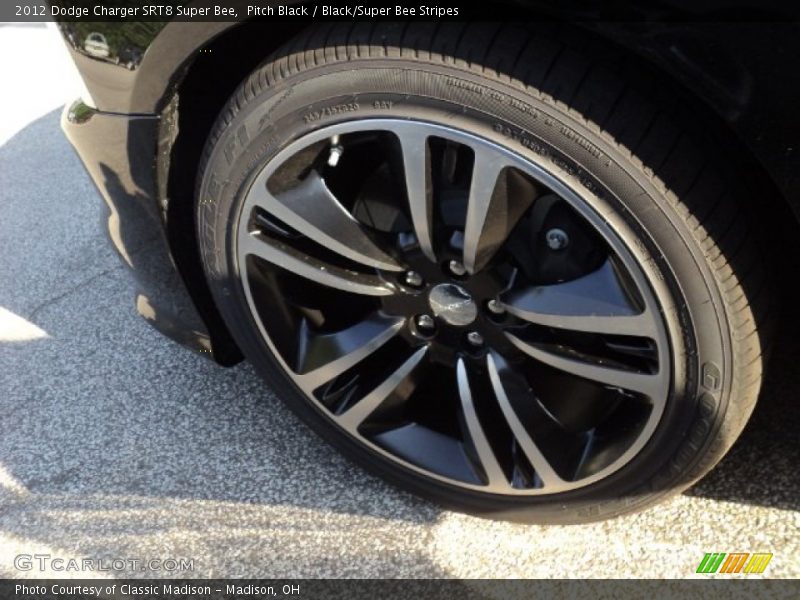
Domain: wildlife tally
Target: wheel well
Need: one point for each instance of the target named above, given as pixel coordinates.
(212, 78)
(206, 86)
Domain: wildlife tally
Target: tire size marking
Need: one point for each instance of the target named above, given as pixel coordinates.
(330, 111)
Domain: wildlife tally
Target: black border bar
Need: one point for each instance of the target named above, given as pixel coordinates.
(376, 10)
(729, 588)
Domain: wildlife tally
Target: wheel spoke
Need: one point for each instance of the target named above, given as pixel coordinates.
(494, 473)
(357, 413)
(634, 325)
(314, 211)
(550, 479)
(310, 268)
(649, 385)
(595, 303)
(417, 169)
(491, 211)
(326, 356)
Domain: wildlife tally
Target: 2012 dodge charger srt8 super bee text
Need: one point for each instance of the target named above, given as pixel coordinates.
(518, 269)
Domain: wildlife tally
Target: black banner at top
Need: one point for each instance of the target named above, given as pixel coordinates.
(369, 10)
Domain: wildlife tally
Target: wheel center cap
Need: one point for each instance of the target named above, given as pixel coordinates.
(453, 304)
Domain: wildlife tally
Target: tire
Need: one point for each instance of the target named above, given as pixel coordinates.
(587, 118)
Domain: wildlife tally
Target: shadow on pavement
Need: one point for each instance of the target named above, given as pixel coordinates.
(116, 442)
(105, 405)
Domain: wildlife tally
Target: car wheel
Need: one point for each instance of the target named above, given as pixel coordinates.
(487, 263)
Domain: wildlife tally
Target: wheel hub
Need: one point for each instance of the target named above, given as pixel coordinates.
(453, 304)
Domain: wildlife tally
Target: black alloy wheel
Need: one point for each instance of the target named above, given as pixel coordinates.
(415, 323)
(466, 288)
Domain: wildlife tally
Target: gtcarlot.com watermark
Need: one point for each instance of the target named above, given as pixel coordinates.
(48, 562)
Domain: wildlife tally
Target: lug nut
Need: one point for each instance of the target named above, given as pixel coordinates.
(457, 269)
(425, 322)
(557, 239)
(414, 279)
(495, 307)
(475, 338)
